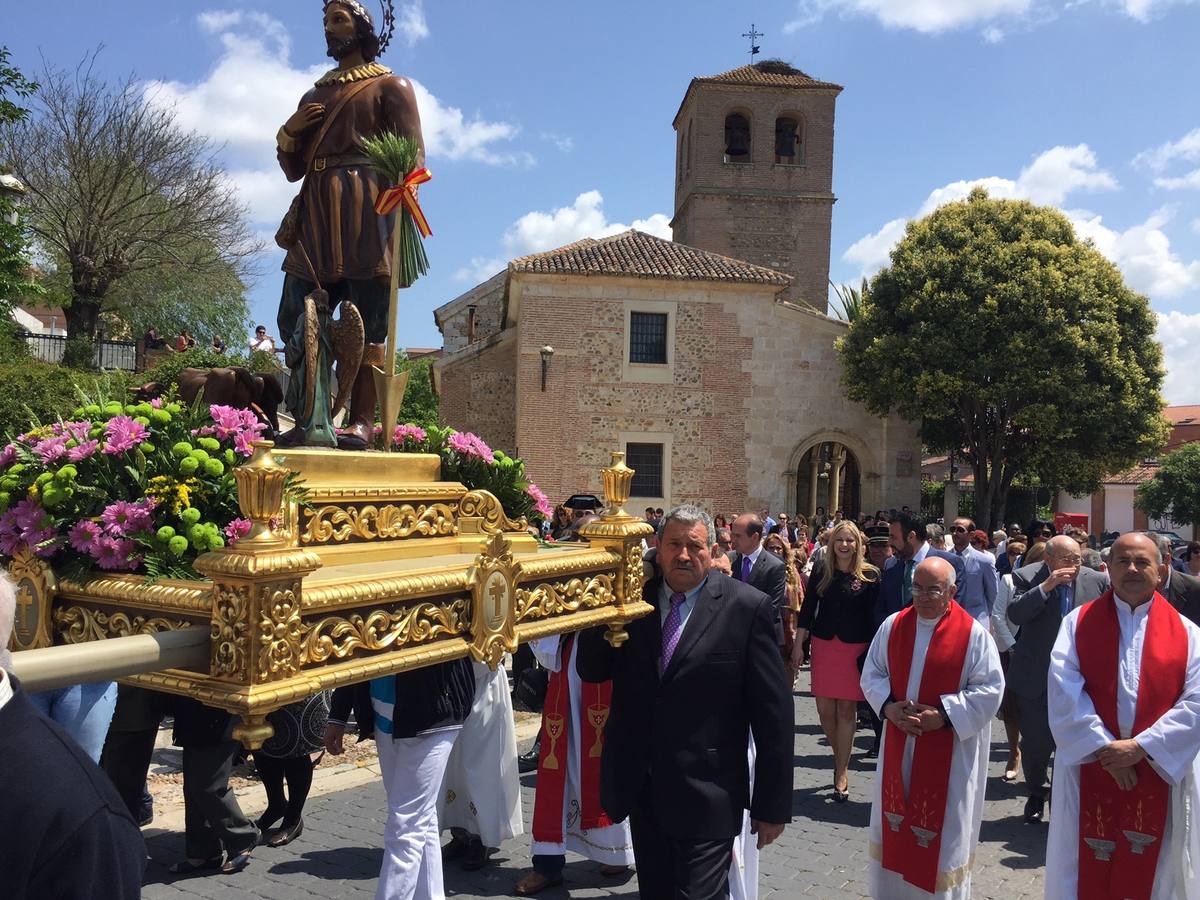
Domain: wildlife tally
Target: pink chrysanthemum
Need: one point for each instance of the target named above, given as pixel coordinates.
(156, 403)
(51, 450)
(42, 541)
(414, 433)
(28, 514)
(8, 455)
(237, 529)
(116, 554)
(86, 450)
(124, 518)
(123, 434)
(540, 501)
(467, 444)
(77, 431)
(85, 535)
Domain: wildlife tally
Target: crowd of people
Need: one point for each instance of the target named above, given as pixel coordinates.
(674, 753)
(185, 340)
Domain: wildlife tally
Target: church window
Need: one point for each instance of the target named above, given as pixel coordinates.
(737, 138)
(789, 148)
(648, 338)
(646, 460)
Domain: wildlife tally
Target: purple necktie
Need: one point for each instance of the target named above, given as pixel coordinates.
(672, 628)
(745, 568)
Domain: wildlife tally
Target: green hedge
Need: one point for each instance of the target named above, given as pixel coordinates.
(42, 392)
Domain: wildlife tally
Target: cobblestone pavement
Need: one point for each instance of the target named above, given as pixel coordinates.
(823, 853)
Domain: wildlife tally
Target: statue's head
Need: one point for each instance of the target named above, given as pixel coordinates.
(349, 27)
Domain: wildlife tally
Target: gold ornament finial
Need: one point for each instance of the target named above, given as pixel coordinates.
(618, 484)
(260, 482)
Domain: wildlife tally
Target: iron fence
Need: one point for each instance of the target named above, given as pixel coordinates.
(108, 354)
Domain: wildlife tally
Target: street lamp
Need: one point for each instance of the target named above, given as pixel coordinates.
(546, 352)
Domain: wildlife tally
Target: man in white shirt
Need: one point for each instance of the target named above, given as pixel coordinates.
(1124, 704)
(263, 342)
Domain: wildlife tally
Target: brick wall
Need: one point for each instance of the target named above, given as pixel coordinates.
(477, 392)
(454, 319)
(773, 215)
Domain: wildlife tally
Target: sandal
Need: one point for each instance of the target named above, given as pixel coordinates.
(535, 882)
(191, 866)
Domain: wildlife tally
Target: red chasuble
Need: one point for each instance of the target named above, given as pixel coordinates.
(1120, 832)
(912, 820)
(554, 758)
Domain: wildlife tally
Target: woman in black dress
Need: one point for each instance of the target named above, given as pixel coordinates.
(839, 612)
(287, 756)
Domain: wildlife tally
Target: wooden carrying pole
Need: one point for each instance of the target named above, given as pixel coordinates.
(56, 667)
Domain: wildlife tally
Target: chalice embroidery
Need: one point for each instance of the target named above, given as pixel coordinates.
(554, 728)
(597, 715)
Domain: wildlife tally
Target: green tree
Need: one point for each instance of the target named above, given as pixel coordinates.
(15, 279)
(851, 300)
(1174, 491)
(1013, 344)
(117, 191)
(420, 405)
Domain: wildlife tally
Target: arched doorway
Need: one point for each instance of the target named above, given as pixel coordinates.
(829, 476)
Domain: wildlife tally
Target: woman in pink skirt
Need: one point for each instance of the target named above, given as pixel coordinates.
(839, 612)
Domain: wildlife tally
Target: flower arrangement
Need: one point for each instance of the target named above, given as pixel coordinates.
(467, 458)
(126, 487)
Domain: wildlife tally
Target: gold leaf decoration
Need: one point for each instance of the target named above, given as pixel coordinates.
(564, 597)
(230, 640)
(484, 505)
(338, 524)
(279, 636)
(380, 629)
(79, 624)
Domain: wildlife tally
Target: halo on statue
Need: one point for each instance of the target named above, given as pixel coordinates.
(388, 20)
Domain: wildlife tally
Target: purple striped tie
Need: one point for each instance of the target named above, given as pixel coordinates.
(672, 628)
(745, 568)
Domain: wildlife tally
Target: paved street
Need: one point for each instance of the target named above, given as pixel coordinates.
(822, 854)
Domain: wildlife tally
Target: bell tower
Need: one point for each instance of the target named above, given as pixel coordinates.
(754, 172)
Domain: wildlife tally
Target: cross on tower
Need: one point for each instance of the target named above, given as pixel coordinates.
(753, 34)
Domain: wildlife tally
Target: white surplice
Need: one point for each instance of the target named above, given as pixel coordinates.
(611, 845)
(481, 792)
(971, 710)
(1172, 743)
(743, 870)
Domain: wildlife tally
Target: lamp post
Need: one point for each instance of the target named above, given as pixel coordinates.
(547, 352)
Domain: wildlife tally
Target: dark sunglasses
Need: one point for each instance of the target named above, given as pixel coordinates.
(958, 529)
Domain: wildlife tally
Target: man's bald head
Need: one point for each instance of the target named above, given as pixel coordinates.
(747, 532)
(933, 587)
(1062, 547)
(1133, 563)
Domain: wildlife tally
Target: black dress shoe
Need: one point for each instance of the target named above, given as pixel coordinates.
(286, 834)
(528, 762)
(1035, 810)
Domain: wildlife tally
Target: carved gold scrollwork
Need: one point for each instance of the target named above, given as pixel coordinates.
(35, 589)
(372, 523)
(279, 636)
(493, 579)
(230, 638)
(484, 505)
(79, 624)
(378, 630)
(564, 597)
(635, 573)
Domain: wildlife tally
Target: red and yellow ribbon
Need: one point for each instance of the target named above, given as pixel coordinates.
(406, 193)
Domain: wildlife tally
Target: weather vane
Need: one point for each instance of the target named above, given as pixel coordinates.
(753, 34)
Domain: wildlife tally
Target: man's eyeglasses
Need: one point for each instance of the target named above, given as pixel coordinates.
(1070, 560)
(1045, 534)
(933, 593)
(959, 529)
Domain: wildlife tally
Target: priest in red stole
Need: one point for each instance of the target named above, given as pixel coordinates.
(933, 674)
(1124, 700)
(567, 814)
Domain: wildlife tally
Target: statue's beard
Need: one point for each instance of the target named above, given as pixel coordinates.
(340, 48)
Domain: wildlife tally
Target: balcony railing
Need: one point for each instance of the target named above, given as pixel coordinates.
(108, 354)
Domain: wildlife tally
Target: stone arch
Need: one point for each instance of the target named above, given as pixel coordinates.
(790, 135)
(738, 143)
(858, 486)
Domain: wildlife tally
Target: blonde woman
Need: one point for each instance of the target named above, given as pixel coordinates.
(839, 610)
(778, 547)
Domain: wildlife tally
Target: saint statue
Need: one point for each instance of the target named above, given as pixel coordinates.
(338, 247)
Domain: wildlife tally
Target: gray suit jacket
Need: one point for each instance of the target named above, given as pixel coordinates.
(1183, 591)
(1039, 619)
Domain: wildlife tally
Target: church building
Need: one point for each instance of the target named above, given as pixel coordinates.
(708, 359)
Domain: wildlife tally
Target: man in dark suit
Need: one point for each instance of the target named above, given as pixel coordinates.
(757, 568)
(1180, 588)
(909, 539)
(1043, 594)
(694, 681)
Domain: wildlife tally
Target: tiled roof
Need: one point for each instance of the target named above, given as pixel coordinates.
(1183, 415)
(640, 255)
(1137, 475)
(772, 75)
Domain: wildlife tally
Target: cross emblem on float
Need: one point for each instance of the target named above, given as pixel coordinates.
(35, 587)
(493, 621)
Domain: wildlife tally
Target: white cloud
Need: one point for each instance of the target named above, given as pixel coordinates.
(539, 231)
(1157, 159)
(927, 16)
(1048, 179)
(1143, 254)
(993, 35)
(1179, 333)
(1189, 181)
(254, 87)
(1145, 10)
(410, 22)
(564, 142)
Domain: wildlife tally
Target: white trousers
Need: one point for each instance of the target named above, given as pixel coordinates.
(412, 776)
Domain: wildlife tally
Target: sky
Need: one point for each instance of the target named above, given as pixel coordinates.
(548, 121)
